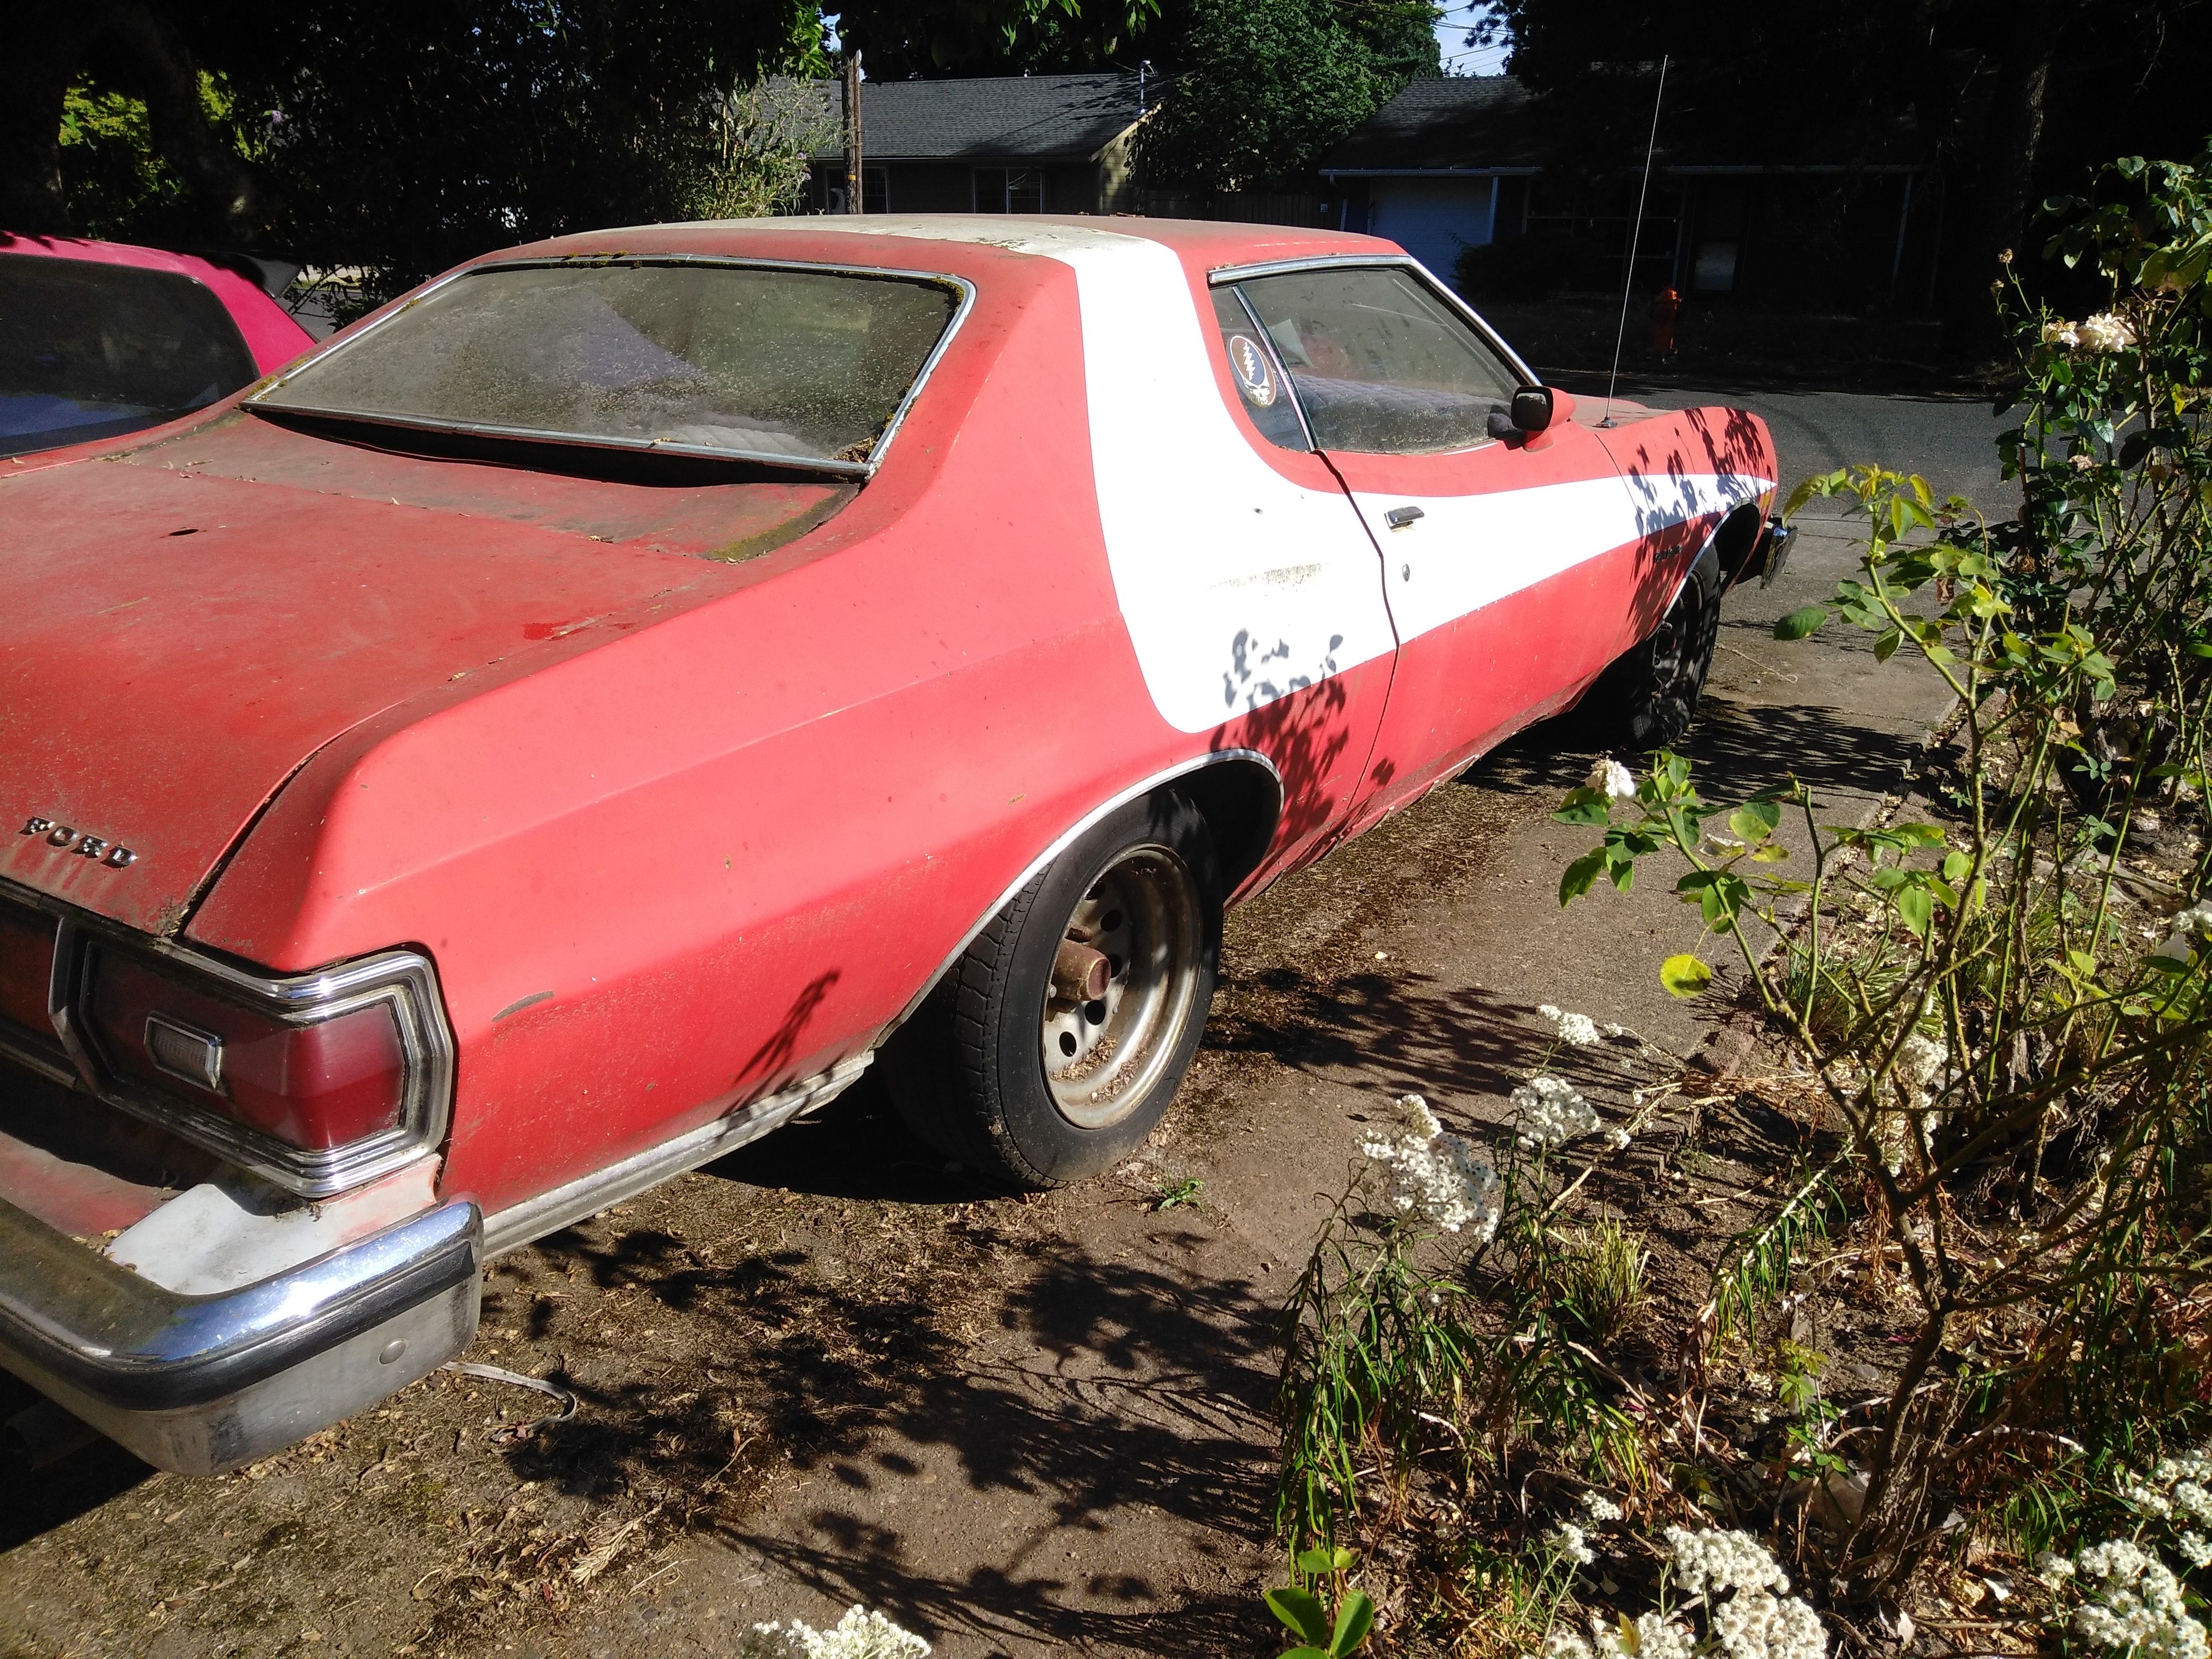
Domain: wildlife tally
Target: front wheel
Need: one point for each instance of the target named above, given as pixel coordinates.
(1052, 1048)
(1646, 698)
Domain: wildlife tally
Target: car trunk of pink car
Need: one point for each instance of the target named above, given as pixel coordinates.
(191, 621)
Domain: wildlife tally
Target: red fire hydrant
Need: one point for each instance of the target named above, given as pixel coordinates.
(1665, 308)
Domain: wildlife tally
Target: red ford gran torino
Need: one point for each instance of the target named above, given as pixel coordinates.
(581, 716)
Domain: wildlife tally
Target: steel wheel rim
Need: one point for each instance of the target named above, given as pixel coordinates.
(1101, 1058)
(1674, 671)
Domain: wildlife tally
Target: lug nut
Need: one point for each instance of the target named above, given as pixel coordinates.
(1079, 974)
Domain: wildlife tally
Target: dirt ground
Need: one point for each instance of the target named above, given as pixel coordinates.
(830, 1368)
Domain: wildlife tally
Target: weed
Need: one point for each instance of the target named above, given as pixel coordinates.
(1601, 1279)
(1178, 1193)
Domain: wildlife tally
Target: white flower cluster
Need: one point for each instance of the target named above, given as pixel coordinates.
(1436, 1177)
(2103, 334)
(1549, 1112)
(1708, 1563)
(1759, 1620)
(862, 1633)
(1571, 1542)
(1579, 1029)
(1599, 1508)
(1753, 1625)
(2177, 1489)
(2137, 1605)
(1611, 780)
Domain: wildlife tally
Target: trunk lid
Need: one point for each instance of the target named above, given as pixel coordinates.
(186, 624)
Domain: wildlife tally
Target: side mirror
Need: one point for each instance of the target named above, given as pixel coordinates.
(1535, 409)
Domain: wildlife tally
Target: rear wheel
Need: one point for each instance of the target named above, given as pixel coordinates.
(1052, 1048)
(1647, 697)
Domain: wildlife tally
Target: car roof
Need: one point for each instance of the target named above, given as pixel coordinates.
(271, 333)
(1208, 244)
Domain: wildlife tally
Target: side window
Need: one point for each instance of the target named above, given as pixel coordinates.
(1380, 364)
(1259, 378)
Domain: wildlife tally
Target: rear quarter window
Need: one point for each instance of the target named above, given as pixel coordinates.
(89, 350)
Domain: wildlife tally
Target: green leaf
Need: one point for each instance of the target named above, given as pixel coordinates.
(1916, 908)
(1773, 853)
(1885, 647)
(1581, 873)
(1302, 1610)
(1685, 975)
(1585, 805)
(1955, 866)
(1798, 623)
(1355, 1617)
(1754, 821)
(1304, 1652)
(1316, 1562)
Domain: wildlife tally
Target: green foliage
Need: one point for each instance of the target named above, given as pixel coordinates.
(1990, 1041)
(1601, 1281)
(1262, 87)
(1179, 1193)
(1325, 1630)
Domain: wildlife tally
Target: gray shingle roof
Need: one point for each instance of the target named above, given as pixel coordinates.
(1012, 118)
(1451, 121)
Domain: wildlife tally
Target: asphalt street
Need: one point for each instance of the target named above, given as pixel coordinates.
(829, 1370)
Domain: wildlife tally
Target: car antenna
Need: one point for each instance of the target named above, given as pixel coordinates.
(1635, 239)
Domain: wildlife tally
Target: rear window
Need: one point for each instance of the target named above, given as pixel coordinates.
(89, 350)
(799, 366)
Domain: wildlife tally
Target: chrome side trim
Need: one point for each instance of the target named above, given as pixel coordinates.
(1066, 839)
(534, 1217)
(863, 470)
(1442, 290)
(406, 981)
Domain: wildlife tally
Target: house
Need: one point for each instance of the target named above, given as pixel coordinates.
(1443, 167)
(1453, 165)
(1036, 143)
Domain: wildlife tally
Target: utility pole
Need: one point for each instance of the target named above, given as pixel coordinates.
(856, 200)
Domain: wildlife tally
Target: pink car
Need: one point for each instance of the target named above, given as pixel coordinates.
(582, 715)
(101, 338)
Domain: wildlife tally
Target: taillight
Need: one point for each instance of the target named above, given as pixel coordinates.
(27, 968)
(316, 1081)
(317, 1084)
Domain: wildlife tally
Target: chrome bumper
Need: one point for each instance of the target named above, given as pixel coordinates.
(203, 1383)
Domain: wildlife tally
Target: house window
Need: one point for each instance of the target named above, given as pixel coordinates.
(1009, 190)
(875, 189)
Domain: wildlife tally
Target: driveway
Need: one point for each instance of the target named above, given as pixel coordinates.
(831, 1369)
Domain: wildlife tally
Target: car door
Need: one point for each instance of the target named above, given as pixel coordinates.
(1508, 563)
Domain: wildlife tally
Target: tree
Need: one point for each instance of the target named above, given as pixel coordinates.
(399, 135)
(1262, 87)
(902, 40)
(2001, 101)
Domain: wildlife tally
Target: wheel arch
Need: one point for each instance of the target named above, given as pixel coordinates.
(1238, 792)
(1735, 540)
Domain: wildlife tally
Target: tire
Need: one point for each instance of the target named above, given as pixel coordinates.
(969, 1072)
(1648, 695)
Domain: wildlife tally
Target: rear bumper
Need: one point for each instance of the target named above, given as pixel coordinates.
(203, 1383)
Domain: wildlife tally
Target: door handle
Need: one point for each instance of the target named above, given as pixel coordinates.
(1398, 517)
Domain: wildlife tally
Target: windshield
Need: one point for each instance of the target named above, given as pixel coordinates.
(801, 366)
(89, 349)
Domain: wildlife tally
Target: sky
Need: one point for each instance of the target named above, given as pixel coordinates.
(1451, 35)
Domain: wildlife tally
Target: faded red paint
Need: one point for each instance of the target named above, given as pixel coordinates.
(677, 830)
(271, 332)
